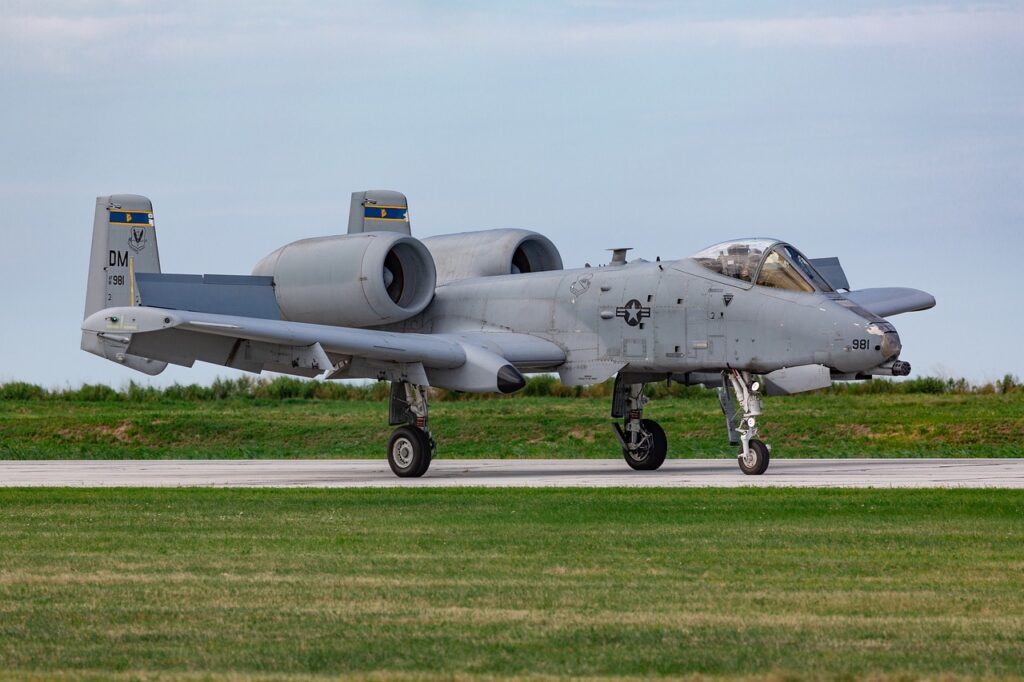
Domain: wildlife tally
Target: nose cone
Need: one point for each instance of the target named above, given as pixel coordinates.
(891, 346)
(509, 379)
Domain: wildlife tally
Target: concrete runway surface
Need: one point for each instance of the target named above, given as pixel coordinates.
(675, 473)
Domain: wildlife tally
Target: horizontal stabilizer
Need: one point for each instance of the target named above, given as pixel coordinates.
(114, 347)
(888, 301)
(243, 295)
(832, 271)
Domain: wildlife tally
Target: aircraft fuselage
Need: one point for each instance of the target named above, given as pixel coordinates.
(666, 317)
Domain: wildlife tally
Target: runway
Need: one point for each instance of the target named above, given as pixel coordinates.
(562, 473)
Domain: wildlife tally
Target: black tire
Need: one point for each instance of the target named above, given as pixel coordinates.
(757, 464)
(409, 452)
(429, 457)
(651, 454)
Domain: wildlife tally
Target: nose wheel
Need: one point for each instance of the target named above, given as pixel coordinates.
(755, 461)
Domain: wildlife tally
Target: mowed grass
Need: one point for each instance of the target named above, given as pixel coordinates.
(825, 425)
(804, 583)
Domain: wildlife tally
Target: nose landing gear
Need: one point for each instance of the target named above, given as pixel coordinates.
(754, 454)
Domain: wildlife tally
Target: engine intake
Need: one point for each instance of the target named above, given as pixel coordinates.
(492, 252)
(354, 280)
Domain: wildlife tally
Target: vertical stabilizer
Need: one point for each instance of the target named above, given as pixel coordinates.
(379, 210)
(123, 244)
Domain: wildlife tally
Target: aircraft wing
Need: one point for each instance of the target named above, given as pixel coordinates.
(469, 361)
(888, 301)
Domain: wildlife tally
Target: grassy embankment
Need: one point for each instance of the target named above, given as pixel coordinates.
(834, 424)
(584, 582)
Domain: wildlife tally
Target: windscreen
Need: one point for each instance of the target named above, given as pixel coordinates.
(773, 264)
(786, 268)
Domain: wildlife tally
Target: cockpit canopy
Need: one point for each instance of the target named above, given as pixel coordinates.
(765, 262)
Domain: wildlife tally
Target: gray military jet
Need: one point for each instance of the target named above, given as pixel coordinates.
(475, 311)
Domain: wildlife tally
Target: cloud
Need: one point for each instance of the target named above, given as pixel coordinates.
(73, 36)
(888, 29)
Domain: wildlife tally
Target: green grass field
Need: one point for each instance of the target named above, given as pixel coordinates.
(824, 425)
(788, 583)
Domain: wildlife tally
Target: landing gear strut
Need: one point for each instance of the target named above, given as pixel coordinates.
(411, 447)
(643, 441)
(754, 454)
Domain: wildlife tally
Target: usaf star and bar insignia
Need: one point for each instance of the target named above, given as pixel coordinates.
(633, 312)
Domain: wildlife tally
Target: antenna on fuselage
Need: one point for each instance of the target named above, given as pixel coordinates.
(619, 255)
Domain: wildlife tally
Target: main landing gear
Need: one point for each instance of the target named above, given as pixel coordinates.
(643, 441)
(411, 447)
(754, 455)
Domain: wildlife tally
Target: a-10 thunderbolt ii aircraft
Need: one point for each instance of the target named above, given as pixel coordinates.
(475, 311)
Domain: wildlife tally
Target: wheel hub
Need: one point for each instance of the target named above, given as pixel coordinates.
(403, 452)
(638, 455)
(641, 450)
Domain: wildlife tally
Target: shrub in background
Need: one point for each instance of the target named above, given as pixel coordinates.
(544, 385)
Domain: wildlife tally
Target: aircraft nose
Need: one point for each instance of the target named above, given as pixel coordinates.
(891, 347)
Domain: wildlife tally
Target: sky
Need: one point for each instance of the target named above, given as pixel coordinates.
(888, 134)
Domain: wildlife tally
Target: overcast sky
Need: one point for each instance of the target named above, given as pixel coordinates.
(889, 135)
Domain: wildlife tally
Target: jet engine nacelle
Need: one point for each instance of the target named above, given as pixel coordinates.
(353, 280)
(492, 252)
